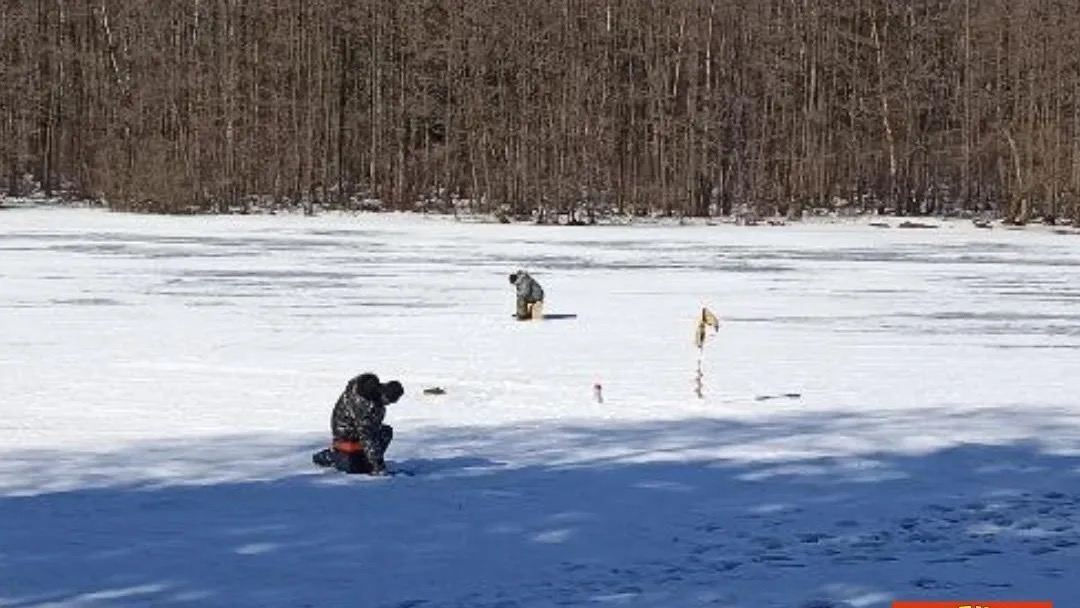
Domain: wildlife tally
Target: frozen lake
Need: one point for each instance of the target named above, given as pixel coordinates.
(165, 379)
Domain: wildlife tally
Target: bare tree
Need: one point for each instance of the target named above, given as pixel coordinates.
(562, 108)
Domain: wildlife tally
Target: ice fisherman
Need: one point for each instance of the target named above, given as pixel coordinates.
(530, 296)
(360, 437)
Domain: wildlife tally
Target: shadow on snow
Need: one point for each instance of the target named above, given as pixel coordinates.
(615, 515)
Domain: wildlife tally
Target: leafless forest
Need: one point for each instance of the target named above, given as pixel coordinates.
(689, 107)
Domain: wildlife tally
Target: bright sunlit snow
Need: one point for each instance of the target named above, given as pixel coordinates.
(164, 381)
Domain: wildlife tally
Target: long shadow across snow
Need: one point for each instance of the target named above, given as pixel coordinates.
(650, 525)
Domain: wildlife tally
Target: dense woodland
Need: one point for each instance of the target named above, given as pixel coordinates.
(689, 107)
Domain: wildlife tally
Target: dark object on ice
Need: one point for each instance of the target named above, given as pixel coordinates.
(780, 396)
(530, 296)
(435, 390)
(981, 223)
(915, 225)
(360, 439)
(880, 225)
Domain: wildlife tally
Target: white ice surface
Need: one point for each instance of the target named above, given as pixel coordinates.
(163, 382)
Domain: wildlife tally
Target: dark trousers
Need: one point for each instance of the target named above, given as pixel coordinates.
(358, 462)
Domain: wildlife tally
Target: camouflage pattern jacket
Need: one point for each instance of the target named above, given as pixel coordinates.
(359, 418)
(528, 289)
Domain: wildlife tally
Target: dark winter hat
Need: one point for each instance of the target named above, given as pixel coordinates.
(392, 391)
(513, 277)
(367, 385)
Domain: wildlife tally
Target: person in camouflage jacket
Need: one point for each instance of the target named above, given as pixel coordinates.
(360, 437)
(530, 296)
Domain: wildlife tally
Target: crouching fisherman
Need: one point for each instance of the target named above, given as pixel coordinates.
(530, 296)
(360, 437)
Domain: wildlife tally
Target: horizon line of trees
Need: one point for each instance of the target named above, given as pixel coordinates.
(692, 107)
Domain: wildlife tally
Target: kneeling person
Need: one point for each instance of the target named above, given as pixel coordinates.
(360, 437)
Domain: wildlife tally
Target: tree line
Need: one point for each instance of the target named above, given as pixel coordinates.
(691, 107)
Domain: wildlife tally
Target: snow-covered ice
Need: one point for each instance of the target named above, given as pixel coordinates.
(164, 380)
